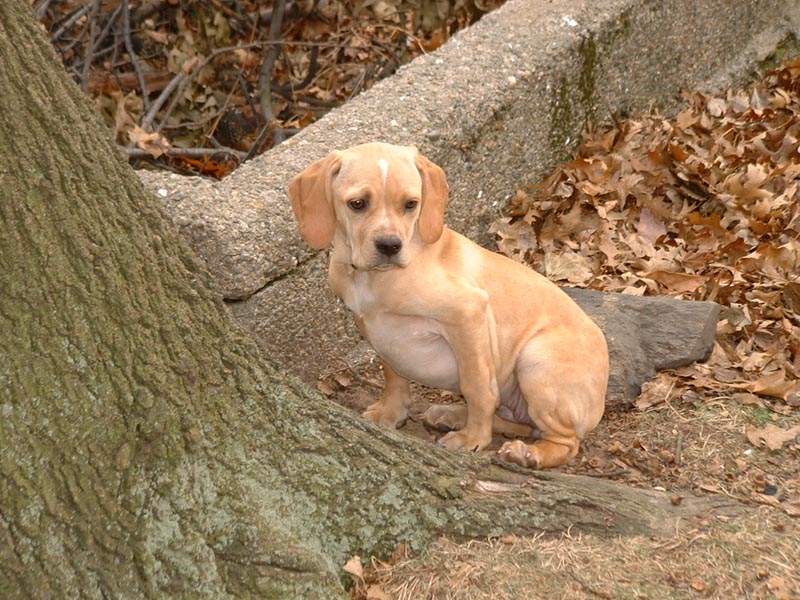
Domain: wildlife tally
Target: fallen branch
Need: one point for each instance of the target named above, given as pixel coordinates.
(185, 152)
(103, 34)
(41, 9)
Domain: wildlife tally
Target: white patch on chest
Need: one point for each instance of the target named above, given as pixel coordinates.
(413, 345)
(384, 167)
(361, 297)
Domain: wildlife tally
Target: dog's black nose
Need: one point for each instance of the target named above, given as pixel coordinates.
(389, 245)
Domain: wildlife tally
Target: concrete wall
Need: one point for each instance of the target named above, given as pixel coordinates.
(495, 107)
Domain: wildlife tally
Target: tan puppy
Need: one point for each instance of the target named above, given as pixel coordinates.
(444, 312)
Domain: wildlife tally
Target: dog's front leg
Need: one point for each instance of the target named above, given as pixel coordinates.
(470, 330)
(392, 408)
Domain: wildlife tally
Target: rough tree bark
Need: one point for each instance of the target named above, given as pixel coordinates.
(148, 450)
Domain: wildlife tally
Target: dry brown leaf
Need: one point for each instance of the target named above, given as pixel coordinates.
(343, 379)
(154, 143)
(655, 391)
(774, 384)
(325, 387)
(650, 228)
(126, 111)
(778, 586)
(678, 282)
(568, 266)
(516, 239)
(772, 436)
(375, 592)
(354, 568)
(791, 297)
(748, 399)
(353, 44)
(792, 508)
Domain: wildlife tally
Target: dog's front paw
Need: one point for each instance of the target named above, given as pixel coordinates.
(387, 415)
(518, 452)
(460, 440)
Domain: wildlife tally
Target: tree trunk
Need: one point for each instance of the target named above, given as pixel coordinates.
(148, 450)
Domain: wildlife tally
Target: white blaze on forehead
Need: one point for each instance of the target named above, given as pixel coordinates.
(384, 167)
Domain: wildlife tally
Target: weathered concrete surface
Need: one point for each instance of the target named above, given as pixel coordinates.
(495, 107)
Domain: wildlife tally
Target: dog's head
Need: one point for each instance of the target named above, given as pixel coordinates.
(384, 200)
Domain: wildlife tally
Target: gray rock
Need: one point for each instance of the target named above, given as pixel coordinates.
(645, 334)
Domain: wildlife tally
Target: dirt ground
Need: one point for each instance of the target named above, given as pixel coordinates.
(700, 207)
(695, 446)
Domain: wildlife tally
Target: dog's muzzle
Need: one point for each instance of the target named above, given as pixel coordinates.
(388, 245)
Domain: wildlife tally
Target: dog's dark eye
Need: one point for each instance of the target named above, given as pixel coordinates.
(411, 204)
(357, 204)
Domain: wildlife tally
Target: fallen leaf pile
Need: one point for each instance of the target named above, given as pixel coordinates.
(200, 65)
(702, 207)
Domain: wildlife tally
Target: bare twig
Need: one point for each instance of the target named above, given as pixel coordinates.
(41, 9)
(220, 113)
(191, 76)
(196, 124)
(265, 83)
(103, 34)
(148, 119)
(265, 76)
(77, 37)
(358, 84)
(88, 57)
(76, 15)
(145, 9)
(126, 32)
(289, 90)
(679, 449)
(247, 95)
(616, 473)
(311, 100)
(260, 141)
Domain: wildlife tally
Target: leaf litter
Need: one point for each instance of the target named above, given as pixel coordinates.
(705, 206)
(194, 85)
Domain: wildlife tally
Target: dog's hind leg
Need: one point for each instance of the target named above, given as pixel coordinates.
(565, 402)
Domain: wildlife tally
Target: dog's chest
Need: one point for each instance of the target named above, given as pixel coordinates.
(414, 346)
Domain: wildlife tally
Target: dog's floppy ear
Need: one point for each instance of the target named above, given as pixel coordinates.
(312, 202)
(434, 199)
